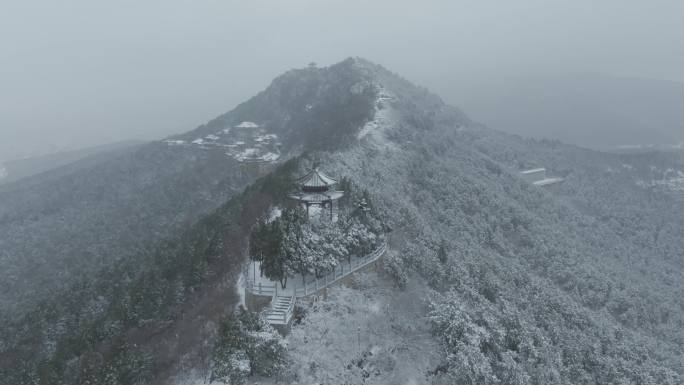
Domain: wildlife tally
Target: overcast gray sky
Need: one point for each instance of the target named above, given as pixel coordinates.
(75, 73)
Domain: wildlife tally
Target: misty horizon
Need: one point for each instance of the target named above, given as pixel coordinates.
(82, 74)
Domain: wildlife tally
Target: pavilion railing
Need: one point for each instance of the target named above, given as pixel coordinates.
(265, 289)
(312, 285)
(342, 270)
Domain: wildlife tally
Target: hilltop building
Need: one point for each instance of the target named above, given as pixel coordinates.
(246, 129)
(316, 189)
(254, 147)
(537, 177)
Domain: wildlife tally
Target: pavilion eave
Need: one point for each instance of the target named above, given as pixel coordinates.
(317, 198)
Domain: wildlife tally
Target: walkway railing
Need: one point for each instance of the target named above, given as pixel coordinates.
(289, 311)
(265, 289)
(342, 270)
(281, 310)
(313, 285)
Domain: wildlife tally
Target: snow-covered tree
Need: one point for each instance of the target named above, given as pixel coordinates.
(246, 345)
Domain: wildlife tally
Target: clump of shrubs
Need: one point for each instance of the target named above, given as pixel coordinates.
(247, 345)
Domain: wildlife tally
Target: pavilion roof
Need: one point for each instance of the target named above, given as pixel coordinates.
(316, 178)
(247, 125)
(318, 197)
(532, 171)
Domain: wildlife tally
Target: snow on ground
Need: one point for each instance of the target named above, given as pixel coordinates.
(673, 184)
(171, 142)
(294, 281)
(383, 120)
(249, 142)
(270, 157)
(668, 180)
(372, 333)
(241, 292)
(192, 377)
(275, 213)
(246, 153)
(265, 137)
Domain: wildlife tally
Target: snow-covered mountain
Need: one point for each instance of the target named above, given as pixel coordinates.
(490, 279)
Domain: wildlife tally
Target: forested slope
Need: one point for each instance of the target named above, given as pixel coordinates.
(53, 229)
(139, 318)
(73, 221)
(508, 283)
(96, 260)
(579, 283)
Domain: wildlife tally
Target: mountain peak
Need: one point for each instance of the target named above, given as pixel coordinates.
(322, 108)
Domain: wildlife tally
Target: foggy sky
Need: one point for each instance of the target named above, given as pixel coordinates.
(75, 73)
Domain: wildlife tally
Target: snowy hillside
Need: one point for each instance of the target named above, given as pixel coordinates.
(243, 142)
(489, 279)
(534, 279)
(672, 180)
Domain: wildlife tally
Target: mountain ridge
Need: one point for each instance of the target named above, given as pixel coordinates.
(530, 275)
(18, 169)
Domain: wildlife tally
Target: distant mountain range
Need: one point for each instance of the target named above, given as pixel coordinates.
(589, 110)
(13, 170)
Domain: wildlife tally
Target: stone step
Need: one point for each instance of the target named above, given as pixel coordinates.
(276, 315)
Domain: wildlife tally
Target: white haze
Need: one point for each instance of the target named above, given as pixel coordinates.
(75, 73)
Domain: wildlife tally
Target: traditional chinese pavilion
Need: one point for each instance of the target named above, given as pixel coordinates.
(318, 189)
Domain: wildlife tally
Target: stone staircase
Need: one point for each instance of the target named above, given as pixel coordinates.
(282, 301)
(280, 312)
